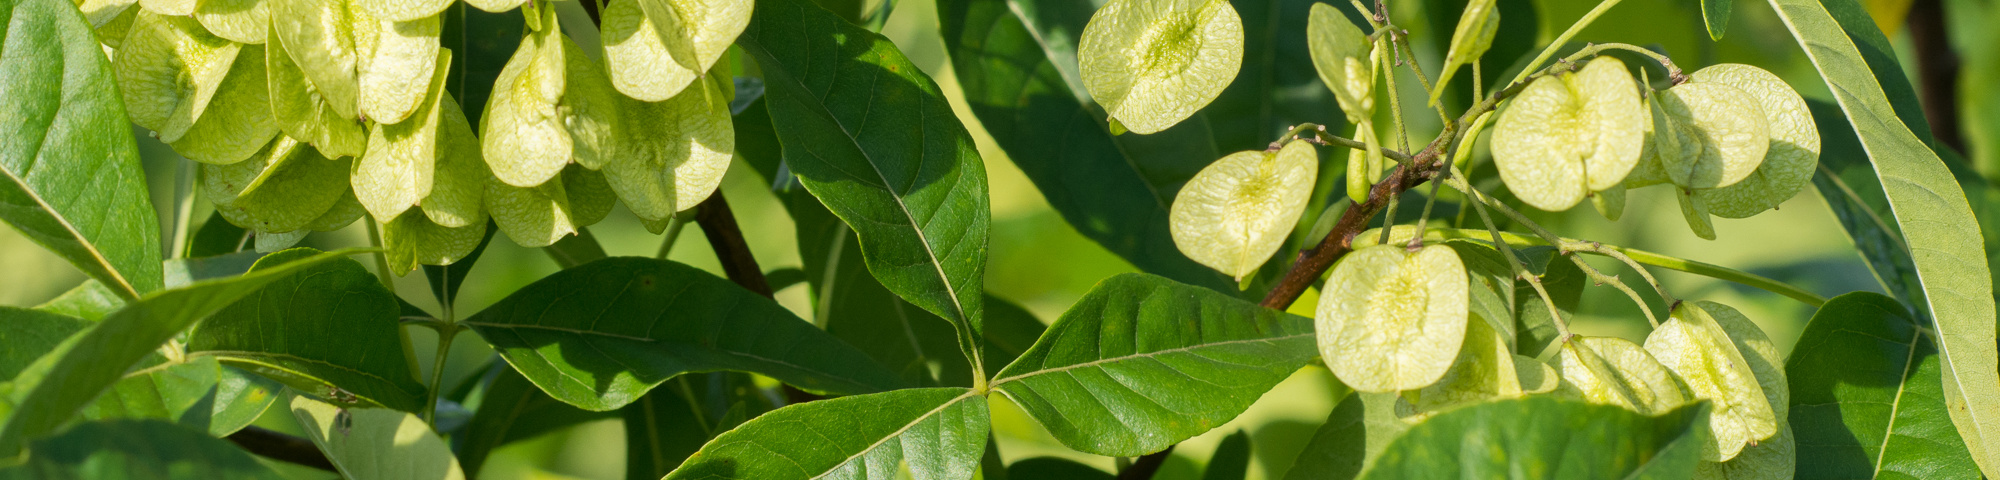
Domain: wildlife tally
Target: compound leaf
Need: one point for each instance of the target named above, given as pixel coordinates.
(1542, 437)
(939, 432)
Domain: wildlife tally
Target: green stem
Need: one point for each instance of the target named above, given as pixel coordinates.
(183, 208)
(381, 258)
(1574, 28)
(673, 233)
(1641, 256)
(446, 332)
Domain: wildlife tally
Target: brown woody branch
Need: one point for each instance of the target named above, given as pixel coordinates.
(718, 223)
(1937, 71)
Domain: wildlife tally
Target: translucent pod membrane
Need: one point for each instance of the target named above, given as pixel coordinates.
(1717, 135)
(1235, 213)
(1153, 63)
(1345, 60)
(1484, 370)
(673, 153)
(657, 48)
(1774, 459)
(237, 122)
(1727, 360)
(550, 105)
(1391, 320)
(538, 216)
(169, 71)
(1792, 156)
(397, 170)
(302, 112)
(1615, 371)
(241, 21)
(1567, 136)
(412, 239)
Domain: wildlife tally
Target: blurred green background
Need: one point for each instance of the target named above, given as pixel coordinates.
(1040, 262)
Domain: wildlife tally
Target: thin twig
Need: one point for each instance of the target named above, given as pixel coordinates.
(281, 447)
(718, 223)
(1148, 464)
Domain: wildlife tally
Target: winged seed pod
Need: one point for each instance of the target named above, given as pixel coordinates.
(285, 187)
(550, 105)
(1567, 136)
(1702, 352)
(657, 48)
(303, 113)
(1774, 459)
(1721, 132)
(241, 21)
(237, 122)
(672, 154)
(1473, 36)
(365, 67)
(1153, 63)
(1348, 63)
(1235, 213)
(1793, 154)
(1393, 320)
(398, 168)
(458, 189)
(411, 239)
(1615, 371)
(170, 71)
(539, 216)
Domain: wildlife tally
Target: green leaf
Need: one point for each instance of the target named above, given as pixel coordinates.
(512, 409)
(1492, 282)
(600, 335)
(939, 432)
(1935, 219)
(1054, 467)
(90, 300)
(330, 330)
(216, 237)
(1141, 363)
(136, 449)
(74, 185)
(28, 334)
(870, 134)
(376, 443)
(52, 389)
(200, 394)
(850, 304)
(1866, 399)
(576, 249)
(1534, 323)
(1231, 460)
(1715, 14)
(1360, 427)
(661, 431)
(1017, 67)
(1542, 437)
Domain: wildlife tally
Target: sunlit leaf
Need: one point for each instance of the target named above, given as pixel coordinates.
(1540, 437)
(937, 433)
(1866, 401)
(375, 442)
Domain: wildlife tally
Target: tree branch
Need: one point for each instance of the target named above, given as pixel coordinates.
(281, 447)
(1146, 465)
(1937, 71)
(718, 223)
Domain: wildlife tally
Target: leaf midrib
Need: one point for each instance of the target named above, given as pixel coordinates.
(898, 433)
(1023, 376)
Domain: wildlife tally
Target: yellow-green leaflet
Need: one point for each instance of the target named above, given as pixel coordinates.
(1699, 350)
(1567, 136)
(402, 10)
(1344, 58)
(458, 191)
(395, 60)
(242, 21)
(1484, 371)
(319, 37)
(411, 239)
(656, 48)
(169, 71)
(1722, 133)
(1615, 371)
(237, 122)
(1392, 320)
(1153, 63)
(1474, 34)
(283, 188)
(1235, 213)
(522, 135)
(1774, 459)
(541, 215)
(177, 8)
(1610, 202)
(398, 168)
(302, 113)
(673, 153)
(1794, 152)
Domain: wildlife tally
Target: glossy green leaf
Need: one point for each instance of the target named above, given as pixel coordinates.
(1017, 66)
(1541, 437)
(1715, 14)
(1141, 362)
(200, 394)
(911, 182)
(1477, 25)
(288, 331)
(511, 410)
(376, 443)
(1935, 220)
(28, 334)
(1053, 467)
(600, 335)
(1153, 63)
(90, 300)
(661, 431)
(1360, 427)
(1866, 400)
(74, 185)
(937, 433)
(136, 449)
(48, 392)
(1491, 287)
(1231, 460)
